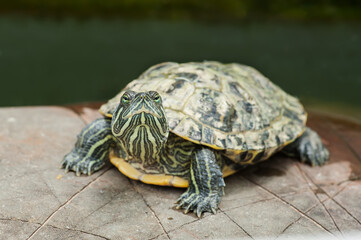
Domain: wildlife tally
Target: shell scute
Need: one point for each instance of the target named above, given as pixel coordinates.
(208, 135)
(190, 129)
(174, 118)
(211, 108)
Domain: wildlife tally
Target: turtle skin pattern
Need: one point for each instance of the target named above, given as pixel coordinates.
(206, 187)
(91, 149)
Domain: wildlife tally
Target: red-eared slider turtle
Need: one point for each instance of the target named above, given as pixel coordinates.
(192, 124)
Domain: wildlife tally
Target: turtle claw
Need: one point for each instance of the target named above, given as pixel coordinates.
(198, 203)
(66, 169)
(89, 170)
(61, 164)
(199, 213)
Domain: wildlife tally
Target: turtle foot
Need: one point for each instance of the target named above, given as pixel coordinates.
(309, 148)
(91, 149)
(81, 165)
(198, 203)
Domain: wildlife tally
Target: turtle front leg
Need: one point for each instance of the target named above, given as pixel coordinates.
(206, 183)
(91, 149)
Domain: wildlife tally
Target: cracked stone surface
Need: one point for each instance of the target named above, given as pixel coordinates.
(280, 198)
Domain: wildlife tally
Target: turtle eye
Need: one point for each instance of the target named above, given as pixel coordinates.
(156, 98)
(125, 99)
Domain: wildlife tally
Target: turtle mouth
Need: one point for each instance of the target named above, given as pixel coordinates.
(143, 119)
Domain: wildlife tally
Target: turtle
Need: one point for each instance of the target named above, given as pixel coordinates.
(190, 125)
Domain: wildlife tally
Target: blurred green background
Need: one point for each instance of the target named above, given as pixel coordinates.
(70, 51)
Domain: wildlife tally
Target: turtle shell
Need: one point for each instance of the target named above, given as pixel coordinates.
(229, 107)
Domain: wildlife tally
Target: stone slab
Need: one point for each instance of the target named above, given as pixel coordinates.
(279, 198)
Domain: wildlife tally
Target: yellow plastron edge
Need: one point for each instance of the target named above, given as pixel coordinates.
(155, 179)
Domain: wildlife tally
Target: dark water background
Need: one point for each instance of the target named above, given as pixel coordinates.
(44, 61)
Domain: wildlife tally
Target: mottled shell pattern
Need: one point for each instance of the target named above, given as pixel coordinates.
(228, 107)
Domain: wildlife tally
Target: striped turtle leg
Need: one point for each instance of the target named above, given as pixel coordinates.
(91, 149)
(308, 148)
(205, 183)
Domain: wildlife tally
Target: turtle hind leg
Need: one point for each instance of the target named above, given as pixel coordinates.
(91, 149)
(308, 148)
(206, 183)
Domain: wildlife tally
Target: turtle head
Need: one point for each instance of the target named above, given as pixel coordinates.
(140, 124)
